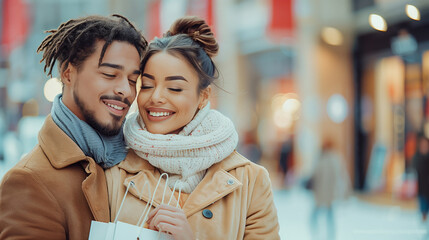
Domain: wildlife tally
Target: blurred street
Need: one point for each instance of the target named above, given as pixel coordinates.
(354, 219)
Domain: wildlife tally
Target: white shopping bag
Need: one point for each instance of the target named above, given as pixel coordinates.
(123, 231)
(120, 230)
(101, 231)
(128, 231)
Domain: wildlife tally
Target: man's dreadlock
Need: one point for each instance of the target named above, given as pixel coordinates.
(75, 39)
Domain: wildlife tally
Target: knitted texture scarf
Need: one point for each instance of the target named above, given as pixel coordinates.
(106, 151)
(208, 139)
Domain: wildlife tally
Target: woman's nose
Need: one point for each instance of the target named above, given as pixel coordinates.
(158, 96)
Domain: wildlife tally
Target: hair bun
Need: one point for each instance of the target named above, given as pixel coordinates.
(198, 30)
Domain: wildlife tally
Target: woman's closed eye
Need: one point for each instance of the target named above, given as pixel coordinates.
(146, 87)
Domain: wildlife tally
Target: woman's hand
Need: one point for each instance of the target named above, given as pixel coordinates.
(169, 219)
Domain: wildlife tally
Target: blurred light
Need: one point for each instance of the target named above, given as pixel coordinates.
(412, 12)
(277, 101)
(377, 22)
(332, 36)
(337, 108)
(282, 119)
(286, 109)
(292, 107)
(52, 88)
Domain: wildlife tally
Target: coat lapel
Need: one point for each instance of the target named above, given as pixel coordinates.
(60, 149)
(62, 152)
(94, 188)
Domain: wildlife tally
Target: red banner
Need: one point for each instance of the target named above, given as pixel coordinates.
(154, 20)
(15, 20)
(282, 22)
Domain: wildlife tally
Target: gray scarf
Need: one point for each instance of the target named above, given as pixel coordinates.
(106, 151)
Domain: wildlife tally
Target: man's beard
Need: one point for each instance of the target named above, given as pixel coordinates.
(89, 116)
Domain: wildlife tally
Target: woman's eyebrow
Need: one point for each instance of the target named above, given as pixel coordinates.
(171, 78)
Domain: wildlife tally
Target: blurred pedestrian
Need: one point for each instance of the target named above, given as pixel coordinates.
(286, 161)
(58, 188)
(421, 165)
(329, 182)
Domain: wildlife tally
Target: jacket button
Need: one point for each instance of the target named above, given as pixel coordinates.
(207, 213)
(230, 181)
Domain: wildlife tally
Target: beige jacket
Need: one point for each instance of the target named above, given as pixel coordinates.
(236, 191)
(53, 192)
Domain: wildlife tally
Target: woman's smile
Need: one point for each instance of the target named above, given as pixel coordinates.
(159, 114)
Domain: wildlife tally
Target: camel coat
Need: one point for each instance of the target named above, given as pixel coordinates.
(236, 191)
(53, 192)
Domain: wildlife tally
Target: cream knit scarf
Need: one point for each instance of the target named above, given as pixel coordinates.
(208, 139)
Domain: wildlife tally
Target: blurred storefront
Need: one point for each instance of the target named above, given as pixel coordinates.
(391, 88)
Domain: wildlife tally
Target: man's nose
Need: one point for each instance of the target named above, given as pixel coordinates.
(124, 88)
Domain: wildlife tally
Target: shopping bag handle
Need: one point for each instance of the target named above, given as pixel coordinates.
(131, 183)
(146, 212)
(147, 205)
(172, 194)
(169, 201)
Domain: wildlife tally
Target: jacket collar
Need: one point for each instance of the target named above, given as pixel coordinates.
(60, 149)
(217, 182)
(61, 152)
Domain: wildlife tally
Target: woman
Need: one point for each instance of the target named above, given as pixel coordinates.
(223, 195)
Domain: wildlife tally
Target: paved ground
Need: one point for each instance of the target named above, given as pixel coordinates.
(355, 219)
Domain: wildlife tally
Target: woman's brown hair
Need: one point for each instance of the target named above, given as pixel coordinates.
(191, 38)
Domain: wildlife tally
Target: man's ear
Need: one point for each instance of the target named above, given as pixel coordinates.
(205, 96)
(67, 74)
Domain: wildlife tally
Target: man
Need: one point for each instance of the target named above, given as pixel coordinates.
(59, 187)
